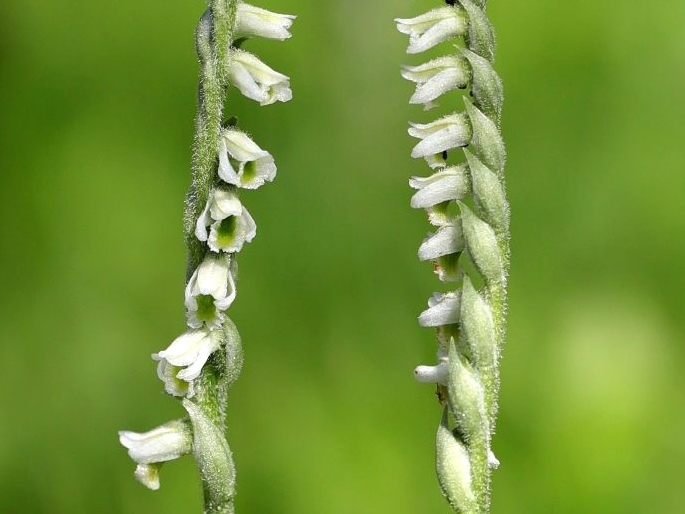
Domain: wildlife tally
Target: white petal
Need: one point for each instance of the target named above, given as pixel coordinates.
(212, 276)
(148, 475)
(432, 374)
(451, 131)
(241, 147)
(433, 27)
(439, 84)
(161, 444)
(254, 21)
(443, 309)
(201, 224)
(244, 230)
(241, 78)
(224, 204)
(167, 373)
(184, 349)
(256, 80)
(493, 462)
(226, 171)
(447, 240)
(447, 184)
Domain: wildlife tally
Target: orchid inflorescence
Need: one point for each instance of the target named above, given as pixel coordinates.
(200, 365)
(466, 203)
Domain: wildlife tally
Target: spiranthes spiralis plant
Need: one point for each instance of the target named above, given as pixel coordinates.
(201, 364)
(466, 203)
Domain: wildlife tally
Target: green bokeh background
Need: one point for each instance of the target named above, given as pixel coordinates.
(97, 102)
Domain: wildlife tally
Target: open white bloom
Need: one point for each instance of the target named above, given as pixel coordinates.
(436, 77)
(164, 443)
(443, 309)
(447, 184)
(230, 223)
(434, 27)
(451, 131)
(190, 350)
(254, 21)
(168, 374)
(210, 290)
(256, 80)
(242, 162)
(448, 239)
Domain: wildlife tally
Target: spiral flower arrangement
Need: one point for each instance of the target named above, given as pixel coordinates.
(466, 203)
(200, 365)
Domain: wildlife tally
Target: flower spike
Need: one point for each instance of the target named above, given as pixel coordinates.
(467, 203)
(201, 364)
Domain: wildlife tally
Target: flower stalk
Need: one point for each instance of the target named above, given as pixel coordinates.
(465, 200)
(201, 364)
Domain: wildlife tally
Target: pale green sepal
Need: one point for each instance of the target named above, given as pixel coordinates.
(486, 138)
(234, 354)
(488, 193)
(214, 461)
(481, 36)
(486, 85)
(454, 470)
(467, 397)
(482, 246)
(479, 327)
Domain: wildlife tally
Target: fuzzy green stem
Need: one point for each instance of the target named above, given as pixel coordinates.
(214, 33)
(207, 409)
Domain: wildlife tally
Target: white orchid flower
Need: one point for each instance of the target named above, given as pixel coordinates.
(434, 27)
(242, 162)
(254, 21)
(256, 80)
(149, 449)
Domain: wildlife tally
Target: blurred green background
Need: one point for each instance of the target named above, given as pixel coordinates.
(97, 104)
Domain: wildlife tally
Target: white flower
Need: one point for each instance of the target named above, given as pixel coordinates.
(433, 374)
(434, 27)
(256, 80)
(190, 350)
(447, 184)
(173, 385)
(164, 443)
(254, 21)
(254, 165)
(436, 77)
(230, 223)
(210, 290)
(443, 309)
(448, 239)
(451, 131)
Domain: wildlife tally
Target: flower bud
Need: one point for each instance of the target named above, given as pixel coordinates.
(487, 140)
(488, 193)
(479, 327)
(454, 469)
(213, 456)
(481, 36)
(467, 397)
(486, 85)
(482, 246)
